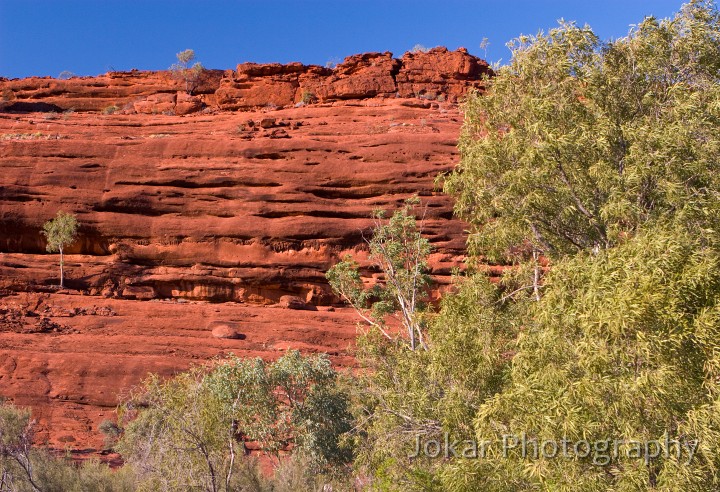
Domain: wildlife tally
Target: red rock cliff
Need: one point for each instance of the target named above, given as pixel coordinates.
(227, 205)
(184, 198)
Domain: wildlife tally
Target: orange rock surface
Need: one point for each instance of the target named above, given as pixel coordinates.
(203, 210)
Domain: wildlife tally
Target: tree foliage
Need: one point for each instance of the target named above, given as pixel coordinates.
(601, 156)
(26, 468)
(59, 233)
(398, 250)
(622, 346)
(402, 395)
(187, 71)
(578, 142)
(189, 432)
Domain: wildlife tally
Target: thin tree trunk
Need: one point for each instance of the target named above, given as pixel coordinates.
(62, 273)
(232, 462)
(536, 274)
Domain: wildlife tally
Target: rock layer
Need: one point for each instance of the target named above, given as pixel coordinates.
(71, 358)
(436, 73)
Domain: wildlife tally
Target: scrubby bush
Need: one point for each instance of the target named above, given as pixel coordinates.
(27, 468)
(187, 72)
(189, 431)
(308, 97)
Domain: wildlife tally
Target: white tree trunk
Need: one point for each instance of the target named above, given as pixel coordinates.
(62, 273)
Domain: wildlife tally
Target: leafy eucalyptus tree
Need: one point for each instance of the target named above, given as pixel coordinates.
(577, 142)
(60, 232)
(189, 432)
(602, 156)
(399, 251)
(622, 348)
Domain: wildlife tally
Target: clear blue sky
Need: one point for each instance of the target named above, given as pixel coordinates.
(46, 37)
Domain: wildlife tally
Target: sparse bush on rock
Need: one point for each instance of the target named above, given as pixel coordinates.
(187, 71)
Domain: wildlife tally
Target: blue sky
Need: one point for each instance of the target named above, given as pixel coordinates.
(46, 37)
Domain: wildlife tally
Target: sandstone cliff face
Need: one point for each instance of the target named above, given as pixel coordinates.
(208, 208)
(228, 205)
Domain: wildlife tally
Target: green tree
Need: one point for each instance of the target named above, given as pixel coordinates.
(578, 142)
(187, 71)
(602, 156)
(623, 346)
(399, 251)
(60, 232)
(16, 435)
(187, 433)
(24, 467)
(401, 394)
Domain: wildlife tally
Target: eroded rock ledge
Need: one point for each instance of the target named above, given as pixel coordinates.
(437, 73)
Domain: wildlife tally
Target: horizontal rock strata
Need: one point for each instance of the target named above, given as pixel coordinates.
(207, 220)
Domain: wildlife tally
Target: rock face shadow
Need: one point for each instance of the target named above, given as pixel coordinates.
(32, 107)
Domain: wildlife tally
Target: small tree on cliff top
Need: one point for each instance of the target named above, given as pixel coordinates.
(183, 70)
(60, 232)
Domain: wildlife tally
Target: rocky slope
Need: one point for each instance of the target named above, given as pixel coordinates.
(225, 200)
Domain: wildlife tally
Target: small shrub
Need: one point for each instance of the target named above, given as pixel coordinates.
(8, 95)
(110, 109)
(308, 97)
(111, 431)
(66, 74)
(333, 63)
(418, 48)
(23, 136)
(184, 71)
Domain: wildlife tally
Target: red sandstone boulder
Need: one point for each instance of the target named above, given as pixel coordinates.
(361, 76)
(294, 302)
(440, 72)
(267, 123)
(139, 292)
(226, 329)
(187, 104)
(155, 104)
